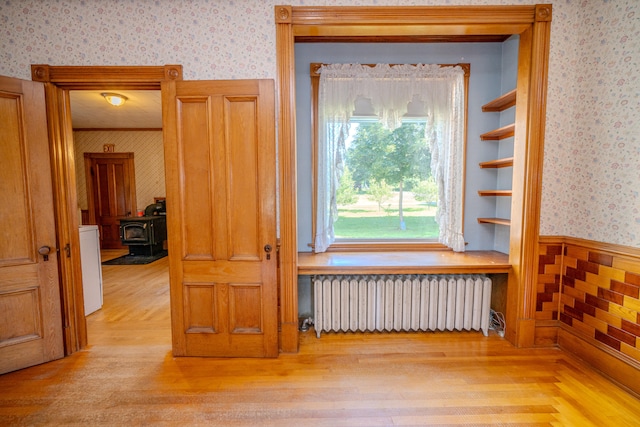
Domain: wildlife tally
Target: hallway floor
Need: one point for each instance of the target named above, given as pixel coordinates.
(127, 376)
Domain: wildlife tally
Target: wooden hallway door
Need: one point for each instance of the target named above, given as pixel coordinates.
(30, 314)
(111, 193)
(221, 217)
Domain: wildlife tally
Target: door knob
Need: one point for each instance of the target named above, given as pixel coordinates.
(267, 249)
(45, 251)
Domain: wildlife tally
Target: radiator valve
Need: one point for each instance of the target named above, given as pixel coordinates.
(305, 323)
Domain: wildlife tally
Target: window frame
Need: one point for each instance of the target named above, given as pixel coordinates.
(386, 244)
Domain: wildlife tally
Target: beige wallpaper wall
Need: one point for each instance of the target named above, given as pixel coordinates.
(148, 160)
(591, 175)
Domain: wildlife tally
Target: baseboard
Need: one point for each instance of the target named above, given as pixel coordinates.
(289, 337)
(546, 334)
(626, 372)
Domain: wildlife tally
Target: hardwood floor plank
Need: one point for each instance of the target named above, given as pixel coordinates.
(127, 376)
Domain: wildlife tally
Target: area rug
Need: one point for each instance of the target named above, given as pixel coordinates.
(135, 259)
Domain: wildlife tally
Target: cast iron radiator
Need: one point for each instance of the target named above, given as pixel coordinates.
(401, 303)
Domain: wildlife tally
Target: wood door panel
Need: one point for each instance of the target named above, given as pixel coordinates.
(220, 271)
(245, 309)
(30, 312)
(220, 154)
(243, 189)
(197, 158)
(20, 317)
(14, 210)
(200, 307)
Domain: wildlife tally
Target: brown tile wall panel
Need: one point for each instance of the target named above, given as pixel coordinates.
(574, 293)
(584, 328)
(553, 249)
(632, 328)
(585, 287)
(574, 273)
(599, 294)
(610, 296)
(573, 312)
(621, 335)
(576, 252)
(608, 340)
(552, 288)
(548, 286)
(585, 308)
(632, 278)
(566, 319)
(597, 302)
(587, 266)
(568, 281)
(600, 258)
(625, 289)
(627, 264)
(632, 304)
(609, 318)
(596, 323)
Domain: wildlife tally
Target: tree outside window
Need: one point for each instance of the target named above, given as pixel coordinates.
(386, 179)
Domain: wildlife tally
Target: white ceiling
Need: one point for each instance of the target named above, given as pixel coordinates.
(89, 110)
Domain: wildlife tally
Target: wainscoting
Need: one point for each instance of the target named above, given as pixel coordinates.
(588, 302)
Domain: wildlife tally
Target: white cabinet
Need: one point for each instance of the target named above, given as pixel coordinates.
(91, 268)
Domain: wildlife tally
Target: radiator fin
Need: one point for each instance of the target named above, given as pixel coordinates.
(345, 303)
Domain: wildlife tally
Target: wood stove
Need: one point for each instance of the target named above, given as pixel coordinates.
(144, 235)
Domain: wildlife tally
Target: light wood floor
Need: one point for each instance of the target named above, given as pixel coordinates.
(127, 376)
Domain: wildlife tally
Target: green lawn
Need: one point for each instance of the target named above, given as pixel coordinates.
(385, 227)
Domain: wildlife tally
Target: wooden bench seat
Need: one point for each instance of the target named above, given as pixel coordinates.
(428, 262)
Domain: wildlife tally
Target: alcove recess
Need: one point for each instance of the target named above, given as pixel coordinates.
(502, 103)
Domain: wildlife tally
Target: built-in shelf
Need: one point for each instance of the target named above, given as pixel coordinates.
(507, 100)
(497, 134)
(500, 221)
(485, 193)
(499, 163)
(499, 104)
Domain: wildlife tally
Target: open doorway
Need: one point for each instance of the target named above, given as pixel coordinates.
(119, 164)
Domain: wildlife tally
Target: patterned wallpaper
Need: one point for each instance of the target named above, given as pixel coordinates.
(592, 153)
(148, 159)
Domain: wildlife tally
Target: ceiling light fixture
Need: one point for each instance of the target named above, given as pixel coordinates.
(114, 99)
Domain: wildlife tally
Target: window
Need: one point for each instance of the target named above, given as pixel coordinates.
(389, 155)
(386, 191)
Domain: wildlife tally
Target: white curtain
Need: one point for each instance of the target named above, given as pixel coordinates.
(390, 88)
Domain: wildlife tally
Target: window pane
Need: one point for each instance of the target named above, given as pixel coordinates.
(386, 190)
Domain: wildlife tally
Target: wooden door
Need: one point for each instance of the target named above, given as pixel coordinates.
(111, 193)
(30, 317)
(221, 212)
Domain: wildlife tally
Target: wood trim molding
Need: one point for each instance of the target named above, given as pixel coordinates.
(58, 81)
(66, 205)
(288, 253)
(543, 13)
(118, 77)
(117, 129)
(612, 248)
(500, 16)
(531, 22)
(314, 74)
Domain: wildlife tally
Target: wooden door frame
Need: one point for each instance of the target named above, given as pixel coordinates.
(59, 80)
(424, 24)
